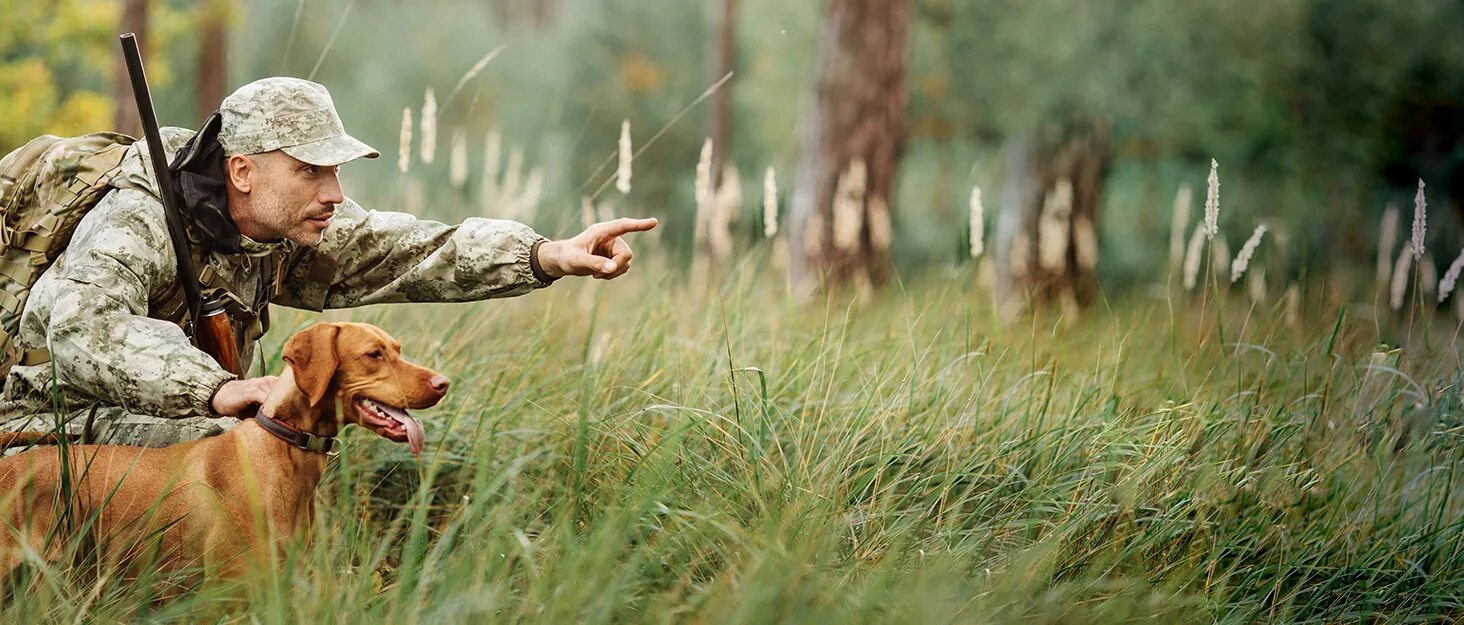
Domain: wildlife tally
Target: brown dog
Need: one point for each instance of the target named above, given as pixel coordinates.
(221, 503)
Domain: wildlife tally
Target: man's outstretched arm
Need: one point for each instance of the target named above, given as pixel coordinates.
(376, 257)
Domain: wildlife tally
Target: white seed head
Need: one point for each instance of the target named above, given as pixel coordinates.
(729, 193)
(416, 196)
(1428, 277)
(404, 149)
(1242, 260)
(513, 180)
(457, 170)
(471, 73)
(1192, 257)
(725, 208)
(1220, 256)
(770, 204)
(1420, 221)
(1400, 278)
(1459, 309)
(1180, 223)
(1255, 283)
(1451, 277)
(978, 223)
(622, 173)
(1293, 305)
(526, 205)
(1212, 201)
(493, 201)
(704, 175)
(587, 212)
(1387, 238)
(429, 127)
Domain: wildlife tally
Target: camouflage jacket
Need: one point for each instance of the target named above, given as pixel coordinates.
(109, 308)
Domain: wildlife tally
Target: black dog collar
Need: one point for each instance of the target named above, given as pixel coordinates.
(295, 437)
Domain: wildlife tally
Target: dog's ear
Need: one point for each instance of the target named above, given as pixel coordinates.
(311, 354)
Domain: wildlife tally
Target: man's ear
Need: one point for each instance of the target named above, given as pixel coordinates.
(237, 169)
(311, 354)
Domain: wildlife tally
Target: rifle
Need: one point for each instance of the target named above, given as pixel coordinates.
(207, 324)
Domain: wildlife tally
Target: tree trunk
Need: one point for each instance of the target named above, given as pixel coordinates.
(711, 248)
(725, 56)
(852, 135)
(134, 20)
(1046, 230)
(531, 14)
(213, 57)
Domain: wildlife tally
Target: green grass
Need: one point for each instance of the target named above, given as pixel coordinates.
(633, 452)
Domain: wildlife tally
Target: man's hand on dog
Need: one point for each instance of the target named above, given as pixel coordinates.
(598, 251)
(242, 398)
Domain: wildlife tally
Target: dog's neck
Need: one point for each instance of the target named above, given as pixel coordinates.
(287, 404)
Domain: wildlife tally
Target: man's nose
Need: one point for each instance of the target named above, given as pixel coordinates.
(331, 193)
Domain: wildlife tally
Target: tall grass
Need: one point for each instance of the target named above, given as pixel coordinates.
(623, 452)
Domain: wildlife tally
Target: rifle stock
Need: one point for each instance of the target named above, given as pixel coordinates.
(215, 335)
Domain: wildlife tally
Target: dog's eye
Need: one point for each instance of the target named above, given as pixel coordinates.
(375, 353)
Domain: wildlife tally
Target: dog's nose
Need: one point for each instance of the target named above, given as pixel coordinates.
(439, 383)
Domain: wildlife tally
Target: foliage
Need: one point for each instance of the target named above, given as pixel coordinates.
(58, 61)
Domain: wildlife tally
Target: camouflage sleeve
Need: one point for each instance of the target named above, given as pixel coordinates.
(100, 336)
(378, 257)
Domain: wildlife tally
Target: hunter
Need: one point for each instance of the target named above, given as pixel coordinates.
(268, 223)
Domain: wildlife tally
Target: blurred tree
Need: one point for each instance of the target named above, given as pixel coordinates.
(1046, 242)
(852, 136)
(724, 56)
(1382, 92)
(134, 20)
(60, 65)
(535, 14)
(54, 58)
(1318, 110)
(213, 55)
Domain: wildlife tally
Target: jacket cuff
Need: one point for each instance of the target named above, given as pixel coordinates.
(203, 398)
(538, 270)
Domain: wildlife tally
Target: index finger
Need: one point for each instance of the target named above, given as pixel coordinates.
(625, 224)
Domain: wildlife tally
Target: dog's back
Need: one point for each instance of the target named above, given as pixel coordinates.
(132, 499)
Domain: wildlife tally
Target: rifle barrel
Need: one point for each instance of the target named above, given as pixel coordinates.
(172, 205)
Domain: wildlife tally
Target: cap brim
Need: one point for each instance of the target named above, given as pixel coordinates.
(333, 151)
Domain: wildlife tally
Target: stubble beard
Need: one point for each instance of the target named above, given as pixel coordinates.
(293, 226)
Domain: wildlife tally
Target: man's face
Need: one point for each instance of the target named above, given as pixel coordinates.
(288, 199)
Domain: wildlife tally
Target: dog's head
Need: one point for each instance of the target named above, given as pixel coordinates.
(362, 366)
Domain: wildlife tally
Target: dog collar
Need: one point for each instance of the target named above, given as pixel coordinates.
(294, 436)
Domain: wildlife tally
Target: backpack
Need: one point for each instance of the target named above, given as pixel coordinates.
(46, 187)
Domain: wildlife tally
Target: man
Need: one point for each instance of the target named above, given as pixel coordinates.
(268, 224)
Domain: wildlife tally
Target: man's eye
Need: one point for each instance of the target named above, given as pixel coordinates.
(309, 169)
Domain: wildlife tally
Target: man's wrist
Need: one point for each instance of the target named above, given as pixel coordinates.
(213, 409)
(542, 260)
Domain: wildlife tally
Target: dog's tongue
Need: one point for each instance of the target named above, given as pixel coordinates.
(416, 436)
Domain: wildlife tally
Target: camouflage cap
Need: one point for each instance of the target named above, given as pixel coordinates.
(288, 114)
